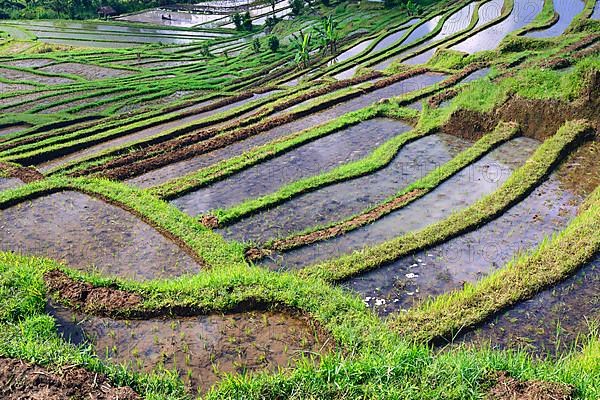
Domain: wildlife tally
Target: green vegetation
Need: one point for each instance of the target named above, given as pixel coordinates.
(209, 85)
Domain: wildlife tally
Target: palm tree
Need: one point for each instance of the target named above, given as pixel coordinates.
(328, 35)
(301, 44)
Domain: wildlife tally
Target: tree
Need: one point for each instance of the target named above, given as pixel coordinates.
(256, 45)
(273, 43)
(328, 34)
(237, 21)
(247, 21)
(301, 44)
(297, 6)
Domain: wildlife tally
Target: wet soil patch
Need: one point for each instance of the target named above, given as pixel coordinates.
(91, 235)
(25, 174)
(467, 258)
(87, 71)
(30, 62)
(200, 349)
(308, 160)
(20, 380)
(539, 119)
(104, 300)
(580, 173)
(349, 198)
(463, 189)
(508, 388)
(273, 128)
(6, 130)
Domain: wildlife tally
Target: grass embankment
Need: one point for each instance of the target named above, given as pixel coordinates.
(519, 184)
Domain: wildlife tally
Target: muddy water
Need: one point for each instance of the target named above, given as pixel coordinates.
(13, 128)
(550, 322)
(353, 51)
(181, 168)
(522, 14)
(457, 22)
(151, 131)
(87, 71)
(567, 10)
(30, 62)
(9, 183)
(311, 159)
(417, 34)
(345, 199)
(458, 192)
(91, 235)
(201, 349)
(469, 257)
(14, 75)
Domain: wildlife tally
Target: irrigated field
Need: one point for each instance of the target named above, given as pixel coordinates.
(405, 204)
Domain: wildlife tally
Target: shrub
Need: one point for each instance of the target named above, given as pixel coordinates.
(256, 45)
(273, 43)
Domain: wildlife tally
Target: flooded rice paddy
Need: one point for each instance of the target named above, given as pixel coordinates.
(469, 257)
(422, 30)
(201, 350)
(151, 131)
(311, 159)
(523, 13)
(553, 321)
(567, 10)
(463, 189)
(181, 168)
(345, 199)
(457, 22)
(92, 236)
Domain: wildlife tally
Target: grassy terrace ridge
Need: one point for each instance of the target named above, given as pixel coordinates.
(414, 191)
(553, 261)
(519, 184)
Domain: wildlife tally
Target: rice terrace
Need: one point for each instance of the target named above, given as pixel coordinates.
(300, 199)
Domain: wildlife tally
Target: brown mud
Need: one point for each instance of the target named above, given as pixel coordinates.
(25, 174)
(20, 380)
(508, 388)
(84, 296)
(539, 119)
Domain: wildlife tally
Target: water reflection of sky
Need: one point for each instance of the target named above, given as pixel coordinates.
(567, 10)
(522, 14)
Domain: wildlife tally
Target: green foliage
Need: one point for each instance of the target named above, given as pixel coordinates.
(297, 6)
(327, 35)
(302, 46)
(256, 45)
(273, 43)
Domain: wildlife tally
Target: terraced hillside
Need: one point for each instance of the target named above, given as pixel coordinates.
(338, 200)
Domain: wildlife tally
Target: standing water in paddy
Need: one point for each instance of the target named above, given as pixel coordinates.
(311, 159)
(454, 24)
(469, 185)
(523, 13)
(567, 10)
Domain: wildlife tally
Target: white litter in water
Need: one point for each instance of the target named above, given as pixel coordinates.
(379, 302)
(412, 276)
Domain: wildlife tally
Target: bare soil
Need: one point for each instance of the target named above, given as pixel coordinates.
(508, 388)
(87, 71)
(23, 381)
(103, 300)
